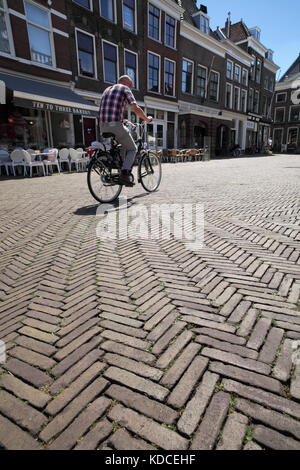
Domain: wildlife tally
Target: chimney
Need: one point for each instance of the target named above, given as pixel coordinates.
(228, 25)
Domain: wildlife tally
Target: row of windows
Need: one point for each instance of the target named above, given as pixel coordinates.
(253, 101)
(154, 26)
(207, 83)
(236, 99)
(255, 70)
(108, 11)
(294, 114)
(236, 73)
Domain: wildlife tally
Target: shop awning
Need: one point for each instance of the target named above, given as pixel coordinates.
(46, 97)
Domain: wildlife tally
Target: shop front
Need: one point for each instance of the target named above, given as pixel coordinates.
(38, 115)
(162, 133)
(251, 134)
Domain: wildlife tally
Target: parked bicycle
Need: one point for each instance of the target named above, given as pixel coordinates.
(104, 170)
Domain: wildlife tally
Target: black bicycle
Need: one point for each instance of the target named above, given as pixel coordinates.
(104, 170)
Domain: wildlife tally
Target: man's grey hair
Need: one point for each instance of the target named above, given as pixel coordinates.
(125, 79)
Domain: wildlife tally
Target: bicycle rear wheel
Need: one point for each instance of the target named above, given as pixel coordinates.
(102, 183)
(150, 172)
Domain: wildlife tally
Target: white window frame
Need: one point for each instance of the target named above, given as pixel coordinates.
(218, 94)
(250, 108)
(50, 31)
(231, 95)
(290, 112)
(275, 113)
(246, 101)
(208, 20)
(196, 76)
(148, 17)
(77, 50)
(240, 72)
(193, 75)
(254, 70)
(88, 9)
(175, 32)
(232, 66)
(118, 65)
(256, 92)
(115, 11)
(282, 93)
(288, 131)
(159, 73)
(239, 99)
(260, 76)
(174, 93)
(135, 18)
(9, 32)
(247, 80)
(137, 67)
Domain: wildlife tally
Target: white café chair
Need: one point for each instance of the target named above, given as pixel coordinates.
(23, 158)
(51, 159)
(84, 158)
(76, 159)
(64, 155)
(5, 162)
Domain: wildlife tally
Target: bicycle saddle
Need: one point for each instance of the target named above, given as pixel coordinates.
(107, 135)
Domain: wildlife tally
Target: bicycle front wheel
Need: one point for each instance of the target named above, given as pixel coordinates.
(102, 183)
(150, 172)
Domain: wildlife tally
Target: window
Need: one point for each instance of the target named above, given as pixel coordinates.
(269, 55)
(38, 26)
(228, 96)
(107, 10)
(279, 114)
(131, 67)
(187, 76)
(4, 38)
(250, 100)
(153, 72)
(236, 100)
(295, 113)
(170, 32)
(237, 73)
(86, 54)
(256, 102)
(258, 71)
(201, 81)
(129, 15)
(169, 77)
(244, 101)
(245, 77)
(252, 69)
(293, 136)
(84, 3)
(229, 70)
(214, 86)
(153, 22)
(281, 98)
(110, 62)
(204, 24)
(272, 84)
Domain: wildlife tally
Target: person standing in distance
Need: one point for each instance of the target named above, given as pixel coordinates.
(112, 107)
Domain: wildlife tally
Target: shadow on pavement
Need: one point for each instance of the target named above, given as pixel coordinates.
(92, 210)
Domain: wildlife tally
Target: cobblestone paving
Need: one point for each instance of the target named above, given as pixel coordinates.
(145, 344)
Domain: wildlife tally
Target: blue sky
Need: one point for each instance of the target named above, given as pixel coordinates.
(279, 21)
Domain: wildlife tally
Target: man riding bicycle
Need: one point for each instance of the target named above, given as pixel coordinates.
(112, 108)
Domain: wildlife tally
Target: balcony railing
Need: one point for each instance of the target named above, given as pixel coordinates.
(41, 58)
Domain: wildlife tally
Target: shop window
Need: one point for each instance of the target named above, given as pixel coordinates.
(131, 67)
(84, 3)
(279, 114)
(129, 9)
(4, 28)
(153, 72)
(214, 86)
(160, 115)
(201, 81)
(187, 76)
(293, 136)
(39, 33)
(153, 22)
(108, 10)
(110, 62)
(295, 113)
(169, 77)
(86, 54)
(170, 32)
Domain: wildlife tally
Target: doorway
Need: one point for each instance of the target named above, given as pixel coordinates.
(89, 131)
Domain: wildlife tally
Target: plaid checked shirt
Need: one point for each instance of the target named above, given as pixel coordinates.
(113, 103)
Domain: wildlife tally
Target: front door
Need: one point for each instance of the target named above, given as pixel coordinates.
(156, 135)
(89, 131)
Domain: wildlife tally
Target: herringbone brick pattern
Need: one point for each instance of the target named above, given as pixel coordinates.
(144, 344)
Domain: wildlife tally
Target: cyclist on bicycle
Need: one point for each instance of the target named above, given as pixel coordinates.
(112, 107)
